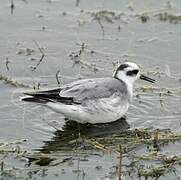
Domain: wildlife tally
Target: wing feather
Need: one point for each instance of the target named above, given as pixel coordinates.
(93, 88)
(80, 91)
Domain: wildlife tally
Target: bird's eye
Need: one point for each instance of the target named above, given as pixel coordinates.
(132, 73)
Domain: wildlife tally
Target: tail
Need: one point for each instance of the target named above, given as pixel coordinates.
(44, 97)
(41, 97)
(33, 99)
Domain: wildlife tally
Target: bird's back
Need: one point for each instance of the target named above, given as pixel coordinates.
(95, 89)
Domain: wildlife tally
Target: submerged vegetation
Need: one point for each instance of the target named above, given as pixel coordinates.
(12, 82)
(152, 162)
(164, 17)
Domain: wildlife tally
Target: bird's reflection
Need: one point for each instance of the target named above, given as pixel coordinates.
(72, 130)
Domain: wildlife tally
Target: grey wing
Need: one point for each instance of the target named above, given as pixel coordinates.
(79, 91)
(93, 88)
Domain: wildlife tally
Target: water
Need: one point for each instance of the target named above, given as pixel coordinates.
(60, 27)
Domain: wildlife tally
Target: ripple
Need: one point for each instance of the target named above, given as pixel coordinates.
(153, 111)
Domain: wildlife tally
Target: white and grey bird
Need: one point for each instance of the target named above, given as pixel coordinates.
(99, 100)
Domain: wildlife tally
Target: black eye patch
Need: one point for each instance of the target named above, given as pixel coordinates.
(123, 66)
(132, 73)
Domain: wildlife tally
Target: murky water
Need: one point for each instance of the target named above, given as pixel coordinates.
(63, 28)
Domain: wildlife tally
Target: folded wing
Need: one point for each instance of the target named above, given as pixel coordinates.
(79, 91)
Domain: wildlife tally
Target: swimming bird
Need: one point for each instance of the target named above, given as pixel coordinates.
(98, 100)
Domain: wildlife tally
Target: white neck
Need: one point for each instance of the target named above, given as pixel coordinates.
(130, 88)
(128, 81)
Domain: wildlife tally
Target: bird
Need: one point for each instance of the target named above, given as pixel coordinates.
(93, 101)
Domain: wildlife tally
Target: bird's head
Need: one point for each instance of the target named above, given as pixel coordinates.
(129, 72)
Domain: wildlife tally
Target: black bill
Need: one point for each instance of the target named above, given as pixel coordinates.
(147, 78)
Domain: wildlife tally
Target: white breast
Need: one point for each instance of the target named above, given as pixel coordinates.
(105, 110)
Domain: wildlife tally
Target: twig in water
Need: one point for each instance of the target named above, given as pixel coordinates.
(7, 63)
(36, 86)
(107, 16)
(2, 165)
(78, 53)
(98, 145)
(161, 100)
(63, 161)
(155, 140)
(78, 165)
(75, 56)
(12, 6)
(102, 27)
(83, 175)
(41, 58)
(13, 82)
(57, 73)
(120, 175)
